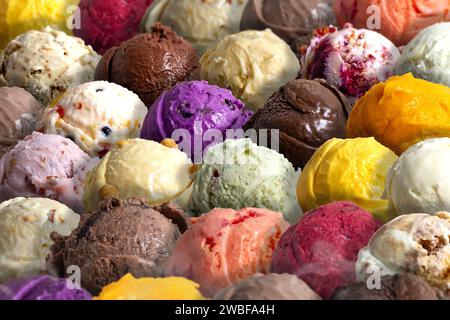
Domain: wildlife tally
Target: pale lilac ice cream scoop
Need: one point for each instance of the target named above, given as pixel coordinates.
(350, 59)
(196, 107)
(48, 166)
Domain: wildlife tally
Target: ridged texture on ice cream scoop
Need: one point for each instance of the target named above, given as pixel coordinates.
(121, 237)
(17, 17)
(141, 169)
(427, 55)
(350, 169)
(252, 64)
(107, 23)
(353, 60)
(289, 19)
(170, 288)
(323, 247)
(25, 226)
(418, 181)
(41, 288)
(238, 173)
(268, 287)
(46, 63)
(96, 115)
(225, 246)
(149, 63)
(413, 243)
(307, 113)
(402, 112)
(48, 166)
(198, 21)
(197, 108)
(400, 20)
(20, 113)
(398, 287)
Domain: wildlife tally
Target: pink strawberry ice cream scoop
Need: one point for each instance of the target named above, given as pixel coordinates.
(44, 165)
(107, 23)
(353, 60)
(225, 246)
(323, 247)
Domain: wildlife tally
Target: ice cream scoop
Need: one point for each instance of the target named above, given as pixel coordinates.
(427, 55)
(104, 24)
(199, 22)
(17, 17)
(190, 112)
(48, 166)
(170, 288)
(20, 113)
(414, 243)
(418, 181)
(46, 63)
(398, 287)
(398, 20)
(402, 112)
(268, 287)
(350, 169)
(25, 226)
(323, 247)
(96, 115)
(252, 64)
(141, 169)
(149, 63)
(225, 246)
(307, 113)
(41, 288)
(353, 60)
(121, 237)
(289, 19)
(238, 174)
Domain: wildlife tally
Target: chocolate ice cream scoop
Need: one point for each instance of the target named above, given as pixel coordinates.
(399, 287)
(269, 287)
(122, 237)
(307, 113)
(149, 63)
(289, 19)
(20, 113)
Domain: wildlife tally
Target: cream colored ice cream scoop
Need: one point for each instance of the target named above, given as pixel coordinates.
(416, 243)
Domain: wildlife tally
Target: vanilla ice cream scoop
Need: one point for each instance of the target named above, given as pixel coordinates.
(420, 179)
(96, 115)
(25, 227)
(198, 21)
(252, 64)
(137, 168)
(415, 243)
(46, 63)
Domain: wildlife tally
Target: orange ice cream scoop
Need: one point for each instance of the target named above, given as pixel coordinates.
(225, 246)
(402, 112)
(400, 20)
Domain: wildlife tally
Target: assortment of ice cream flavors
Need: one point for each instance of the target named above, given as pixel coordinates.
(224, 149)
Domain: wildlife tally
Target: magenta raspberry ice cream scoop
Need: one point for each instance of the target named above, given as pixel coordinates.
(196, 107)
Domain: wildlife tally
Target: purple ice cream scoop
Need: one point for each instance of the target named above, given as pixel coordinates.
(41, 288)
(196, 115)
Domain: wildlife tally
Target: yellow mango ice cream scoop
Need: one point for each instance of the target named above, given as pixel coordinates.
(350, 169)
(19, 16)
(402, 112)
(171, 288)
